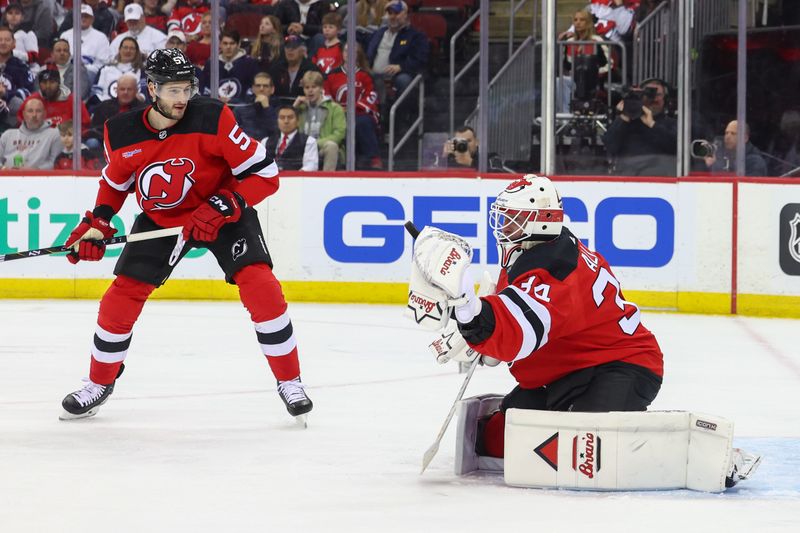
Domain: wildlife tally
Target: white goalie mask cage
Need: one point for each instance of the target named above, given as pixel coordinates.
(529, 210)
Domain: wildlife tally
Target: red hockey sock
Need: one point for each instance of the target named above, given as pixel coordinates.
(261, 294)
(493, 436)
(119, 308)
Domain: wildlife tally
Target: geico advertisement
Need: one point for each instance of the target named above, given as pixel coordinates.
(41, 212)
(352, 229)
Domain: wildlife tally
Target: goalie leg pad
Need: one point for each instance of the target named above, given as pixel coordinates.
(617, 450)
(470, 411)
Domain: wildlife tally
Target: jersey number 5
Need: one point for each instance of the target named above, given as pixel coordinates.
(239, 137)
(628, 324)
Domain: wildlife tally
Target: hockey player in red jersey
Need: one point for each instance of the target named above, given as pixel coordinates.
(189, 164)
(558, 316)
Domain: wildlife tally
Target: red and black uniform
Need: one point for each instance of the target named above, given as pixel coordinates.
(329, 58)
(172, 172)
(572, 341)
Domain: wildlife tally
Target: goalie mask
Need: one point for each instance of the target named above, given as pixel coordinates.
(527, 212)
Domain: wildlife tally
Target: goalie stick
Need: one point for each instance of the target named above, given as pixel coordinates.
(143, 236)
(430, 453)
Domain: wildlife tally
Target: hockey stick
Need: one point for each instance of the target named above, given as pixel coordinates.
(143, 236)
(431, 452)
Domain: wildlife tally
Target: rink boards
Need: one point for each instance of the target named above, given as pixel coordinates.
(672, 243)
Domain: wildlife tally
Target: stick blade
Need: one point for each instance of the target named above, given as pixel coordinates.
(430, 453)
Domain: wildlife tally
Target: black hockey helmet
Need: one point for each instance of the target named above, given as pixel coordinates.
(169, 64)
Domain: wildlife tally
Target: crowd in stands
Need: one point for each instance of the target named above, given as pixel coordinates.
(287, 84)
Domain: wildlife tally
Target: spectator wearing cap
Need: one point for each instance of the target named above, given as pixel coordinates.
(128, 97)
(176, 39)
(198, 49)
(94, 44)
(236, 69)
(34, 144)
(288, 72)
(38, 15)
(304, 19)
(258, 116)
(105, 19)
(148, 37)
(16, 79)
(58, 100)
(397, 52)
(26, 46)
(61, 58)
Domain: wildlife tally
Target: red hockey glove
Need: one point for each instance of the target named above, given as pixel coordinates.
(204, 224)
(84, 237)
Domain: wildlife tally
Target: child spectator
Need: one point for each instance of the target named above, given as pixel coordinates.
(64, 160)
(321, 118)
(266, 48)
(329, 55)
(199, 50)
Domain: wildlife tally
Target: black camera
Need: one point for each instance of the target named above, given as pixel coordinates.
(635, 98)
(460, 145)
(702, 148)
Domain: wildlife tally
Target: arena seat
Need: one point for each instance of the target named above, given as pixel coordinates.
(245, 23)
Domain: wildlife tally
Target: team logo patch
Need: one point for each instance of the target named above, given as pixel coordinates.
(586, 454)
(165, 184)
(518, 185)
(126, 155)
(424, 308)
(548, 451)
(229, 88)
(162, 134)
(789, 254)
(238, 249)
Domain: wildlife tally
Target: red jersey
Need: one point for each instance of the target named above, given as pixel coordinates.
(366, 97)
(328, 58)
(175, 170)
(560, 309)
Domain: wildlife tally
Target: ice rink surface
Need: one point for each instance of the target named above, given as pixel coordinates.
(196, 439)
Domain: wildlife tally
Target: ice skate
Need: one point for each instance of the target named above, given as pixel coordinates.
(293, 394)
(86, 402)
(743, 465)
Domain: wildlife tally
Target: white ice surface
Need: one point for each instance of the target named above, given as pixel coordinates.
(195, 438)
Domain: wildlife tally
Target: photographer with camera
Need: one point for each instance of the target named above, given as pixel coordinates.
(462, 150)
(723, 158)
(643, 140)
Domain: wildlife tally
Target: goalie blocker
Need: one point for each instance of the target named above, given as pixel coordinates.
(657, 450)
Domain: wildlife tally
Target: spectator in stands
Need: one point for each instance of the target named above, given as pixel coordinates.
(397, 52)
(236, 69)
(89, 161)
(128, 97)
(289, 71)
(58, 100)
(724, 160)
(34, 144)
(15, 78)
(94, 43)
(154, 14)
(367, 105)
(370, 15)
(148, 37)
(304, 19)
(176, 39)
(462, 150)
(329, 56)
(199, 50)
(105, 19)
(61, 59)
(587, 63)
(266, 48)
(293, 149)
(614, 20)
(644, 143)
(129, 60)
(258, 116)
(181, 10)
(26, 47)
(38, 15)
(321, 118)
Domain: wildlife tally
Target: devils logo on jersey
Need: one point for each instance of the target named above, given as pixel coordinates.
(164, 184)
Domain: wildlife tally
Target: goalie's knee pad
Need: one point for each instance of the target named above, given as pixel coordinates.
(470, 413)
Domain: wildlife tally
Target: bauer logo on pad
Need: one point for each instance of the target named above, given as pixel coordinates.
(789, 245)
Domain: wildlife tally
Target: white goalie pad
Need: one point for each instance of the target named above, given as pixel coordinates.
(427, 304)
(470, 410)
(449, 345)
(618, 450)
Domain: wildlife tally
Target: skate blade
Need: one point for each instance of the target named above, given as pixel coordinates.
(66, 415)
(301, 421)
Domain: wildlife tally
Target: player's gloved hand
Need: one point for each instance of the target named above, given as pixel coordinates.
(206, 221)
(83, 239)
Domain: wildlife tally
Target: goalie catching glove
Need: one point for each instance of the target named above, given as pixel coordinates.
(83, 239)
